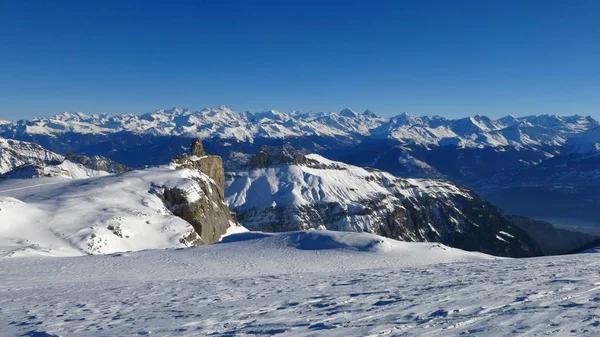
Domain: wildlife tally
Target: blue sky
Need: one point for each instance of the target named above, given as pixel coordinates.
(452, 58)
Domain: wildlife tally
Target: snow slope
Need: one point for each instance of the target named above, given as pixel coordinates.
(300, 284)
(300, 192)
(54, 216)
(336, 182)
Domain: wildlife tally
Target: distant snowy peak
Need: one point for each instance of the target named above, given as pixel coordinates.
(586, 142)
(224, 123)
(369, 114)
(349, 113)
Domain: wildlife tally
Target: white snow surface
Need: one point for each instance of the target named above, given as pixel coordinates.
(224, 123)
(313, 283)
(304, 185)
(347, 185)
(64, 217)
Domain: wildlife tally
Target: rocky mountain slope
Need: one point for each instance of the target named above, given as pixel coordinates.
(29, 160)
(97, 163)
(283, 190)
(14, 153)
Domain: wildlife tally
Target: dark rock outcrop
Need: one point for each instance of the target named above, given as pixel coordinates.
(97, 163)
(209, 214)
(210, 165)
(197, 148)
(284, 155)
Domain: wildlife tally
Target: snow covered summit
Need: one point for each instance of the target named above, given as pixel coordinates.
(283, 190)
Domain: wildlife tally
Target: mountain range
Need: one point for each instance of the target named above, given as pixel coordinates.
(224, 123)
(504, 159)
(407, 177)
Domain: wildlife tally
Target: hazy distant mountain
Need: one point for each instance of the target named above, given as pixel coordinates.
(224, 123)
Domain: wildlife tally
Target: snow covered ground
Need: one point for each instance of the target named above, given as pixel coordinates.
(314, 283)
(105, 214)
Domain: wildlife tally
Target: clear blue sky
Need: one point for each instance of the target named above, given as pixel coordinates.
(452, 58)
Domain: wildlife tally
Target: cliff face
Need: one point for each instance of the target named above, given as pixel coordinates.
(210, 165)
(208, 214)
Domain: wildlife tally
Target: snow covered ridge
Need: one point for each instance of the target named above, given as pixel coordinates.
(14, 153)
(125, 212)
(224, 123)
(20, 159)
(342, 197)
(66, 169)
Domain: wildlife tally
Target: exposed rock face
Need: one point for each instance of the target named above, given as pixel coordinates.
(282, 155)
(97, 163)
(197, 148)
(208, 214)
(212, 166)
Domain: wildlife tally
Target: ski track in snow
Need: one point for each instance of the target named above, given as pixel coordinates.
(33, 186)
(117, 295)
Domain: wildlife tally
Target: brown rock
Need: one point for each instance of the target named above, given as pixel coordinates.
(197, 148)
